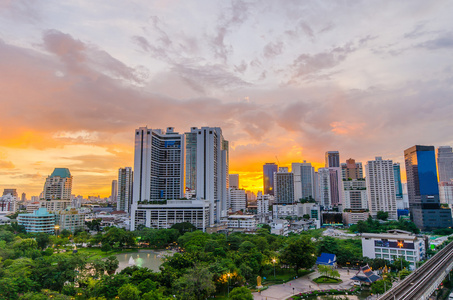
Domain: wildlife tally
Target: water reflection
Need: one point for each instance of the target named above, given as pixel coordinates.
(144, 258)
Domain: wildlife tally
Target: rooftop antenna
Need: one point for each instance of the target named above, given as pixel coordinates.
(277, 159)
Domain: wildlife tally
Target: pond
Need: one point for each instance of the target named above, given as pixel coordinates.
(143, 258)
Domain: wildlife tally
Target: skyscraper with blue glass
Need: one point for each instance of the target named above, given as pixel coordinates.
(268, 178)
(423, 190)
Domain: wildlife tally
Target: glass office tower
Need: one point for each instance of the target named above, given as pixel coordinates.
(423, 189)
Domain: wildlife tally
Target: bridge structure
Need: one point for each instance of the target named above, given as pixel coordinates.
(421, 284)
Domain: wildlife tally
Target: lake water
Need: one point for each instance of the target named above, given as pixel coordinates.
(143, 258)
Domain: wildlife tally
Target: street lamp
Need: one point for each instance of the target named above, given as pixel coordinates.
(57, 227)
(273, 261)
(228, 284)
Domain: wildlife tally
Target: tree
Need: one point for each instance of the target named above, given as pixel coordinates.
(381, 215)
(299, 253)
(43, 240)
(241, 293)
(403, 273)
(184, 227)
(106, 247)
(196, 284)
(94, 225)
(111, 264)
(324, 270)
(400, 263)
(328, 245)
(129, 292)
(381, 286)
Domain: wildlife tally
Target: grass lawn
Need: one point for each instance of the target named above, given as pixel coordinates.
(98, 253)
(284, 275)
(325, 279)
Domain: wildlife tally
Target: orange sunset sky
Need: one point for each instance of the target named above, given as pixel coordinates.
(292, 80)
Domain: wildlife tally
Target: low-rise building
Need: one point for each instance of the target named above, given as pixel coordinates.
(164, 214)
(352, 216)
(8, 203)
(246, 222)
(280, 227)
(70, 219)
(38, 221)
(32, 206)
(392, 245)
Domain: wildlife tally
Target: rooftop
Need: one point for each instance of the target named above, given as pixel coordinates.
(61, 172)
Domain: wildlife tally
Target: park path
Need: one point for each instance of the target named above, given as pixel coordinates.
(303, 284)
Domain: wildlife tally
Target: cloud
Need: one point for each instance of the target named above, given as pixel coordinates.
(442, 41)
(6, 164)
(312, 64)
(87, 60)
(273, 49)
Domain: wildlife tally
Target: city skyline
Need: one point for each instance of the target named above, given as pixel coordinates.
(286, 83)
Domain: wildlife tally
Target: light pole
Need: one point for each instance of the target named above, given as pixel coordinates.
(228, 284)
(57, 227)
(273, 261)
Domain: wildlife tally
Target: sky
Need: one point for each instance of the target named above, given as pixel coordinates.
(285, 80)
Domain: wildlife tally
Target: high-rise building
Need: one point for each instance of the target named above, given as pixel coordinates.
(124, 189)
(23, 197)
(114, 192)
(355, 194)
(191, 160)
(445, 163)
(284, 186)
(234, 181)
(304, 174)
(57, 190)
(423, 189)
(158, 165)
(351, 169)
(58, 185)
(381, 187)
(159, 169)
(332, 159)
(398, 183)
(268, 178)
(446, 192)
(324, 196)
(212, 170)
(12, 192)
(336, 189)
(237, 199)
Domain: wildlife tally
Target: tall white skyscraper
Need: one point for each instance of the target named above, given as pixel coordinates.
(304, 176)
(212, 161)
(324, 196)
(158, 165)
(381, 187)
(445, 163)
(124, 189)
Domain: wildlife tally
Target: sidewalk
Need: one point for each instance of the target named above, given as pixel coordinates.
(303, 284)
